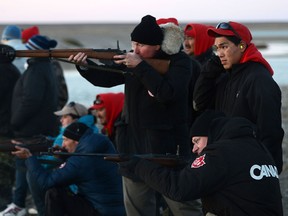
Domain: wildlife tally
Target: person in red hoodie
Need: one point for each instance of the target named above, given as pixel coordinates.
(108, 107)
(197, 43)
(238, 81)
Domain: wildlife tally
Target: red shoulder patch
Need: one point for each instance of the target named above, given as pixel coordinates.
(198, 162)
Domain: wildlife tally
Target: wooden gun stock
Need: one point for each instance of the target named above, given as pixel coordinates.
(160, 65)
(65, 53)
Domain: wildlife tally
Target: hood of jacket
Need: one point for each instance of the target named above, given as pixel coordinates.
(173, 38)
(230, 128)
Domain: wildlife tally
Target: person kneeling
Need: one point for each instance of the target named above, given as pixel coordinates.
(234, 174)
(99, 184)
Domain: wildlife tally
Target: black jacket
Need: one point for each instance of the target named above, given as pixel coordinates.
(35, 100)
(9, 74)
(234, 175)
(155, 113)
(249, 91)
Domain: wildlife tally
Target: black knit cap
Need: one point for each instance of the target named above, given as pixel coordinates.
(202, 123)
(147, 32)
(75, 131)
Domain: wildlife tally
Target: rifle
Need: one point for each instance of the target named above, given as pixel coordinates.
(36, 144)
(160, 65)
(165, 160)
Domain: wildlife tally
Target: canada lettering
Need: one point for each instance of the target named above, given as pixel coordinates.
(257, 172)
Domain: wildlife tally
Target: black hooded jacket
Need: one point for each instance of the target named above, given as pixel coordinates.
(249, 91)
(150, 124)
(9, 74)
(234, 175)
(35, 100)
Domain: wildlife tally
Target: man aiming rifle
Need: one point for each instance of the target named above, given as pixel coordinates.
(99, 185)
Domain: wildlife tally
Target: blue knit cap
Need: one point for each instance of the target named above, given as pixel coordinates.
(39, 42)
(11, 32)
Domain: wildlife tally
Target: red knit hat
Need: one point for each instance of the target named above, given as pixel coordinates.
(29, 32)
(167, 20)
(231, 29)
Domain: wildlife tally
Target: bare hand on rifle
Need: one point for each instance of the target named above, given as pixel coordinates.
(78, 58)
(20, 152)
(130, 59)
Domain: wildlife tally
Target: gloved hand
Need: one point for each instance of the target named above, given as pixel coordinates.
(213, 67)
(127, 168)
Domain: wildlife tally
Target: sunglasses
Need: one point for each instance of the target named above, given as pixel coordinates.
(227, 26)
(72, 105)
(98, 101)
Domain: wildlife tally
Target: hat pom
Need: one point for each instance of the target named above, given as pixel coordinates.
(173, 38)
(29, 32)
(52, 43)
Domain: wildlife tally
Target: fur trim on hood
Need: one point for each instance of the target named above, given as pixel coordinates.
(173, 38)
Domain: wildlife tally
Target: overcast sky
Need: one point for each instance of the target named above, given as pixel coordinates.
(99, 11)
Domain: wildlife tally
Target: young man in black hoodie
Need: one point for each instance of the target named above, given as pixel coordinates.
(234, 174)
(238, 81)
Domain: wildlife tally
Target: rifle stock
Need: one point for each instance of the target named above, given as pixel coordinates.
(33, 146)
(160, 65)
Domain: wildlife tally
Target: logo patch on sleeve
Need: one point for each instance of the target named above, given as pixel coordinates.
(150, 93)
(62, 165)
(198, 162)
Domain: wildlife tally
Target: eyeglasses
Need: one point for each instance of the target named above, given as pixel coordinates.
(72, 104)
(227, 26)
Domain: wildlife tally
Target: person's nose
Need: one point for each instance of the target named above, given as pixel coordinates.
(195, 148)
(220, 53)
(136, 50)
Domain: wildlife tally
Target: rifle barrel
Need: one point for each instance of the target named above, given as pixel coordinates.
(169, 161)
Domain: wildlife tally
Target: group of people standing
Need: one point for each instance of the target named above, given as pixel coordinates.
(217, 105)
(38, 89)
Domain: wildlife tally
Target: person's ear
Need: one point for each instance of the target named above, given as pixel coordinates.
(242, 46)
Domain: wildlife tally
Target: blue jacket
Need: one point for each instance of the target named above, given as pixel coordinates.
(97, 180)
